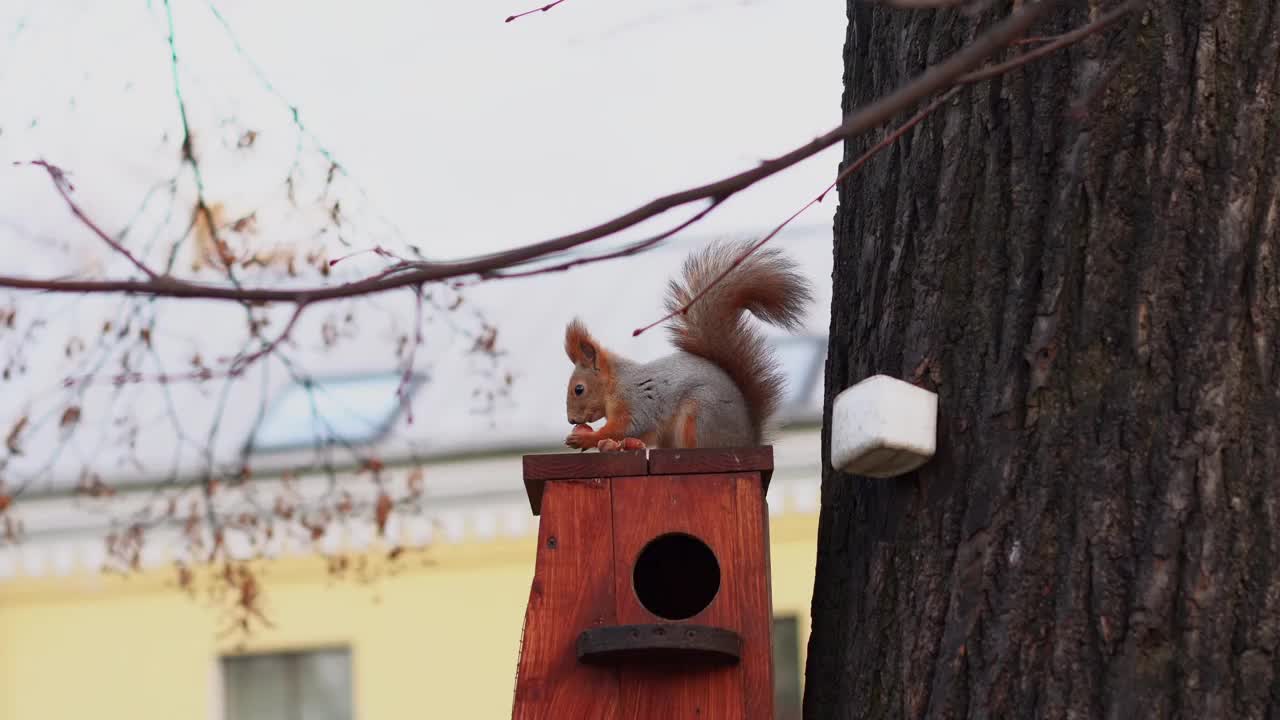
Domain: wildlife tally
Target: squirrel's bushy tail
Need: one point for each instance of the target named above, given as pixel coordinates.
(767, 284)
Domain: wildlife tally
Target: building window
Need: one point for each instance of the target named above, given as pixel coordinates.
(288, 686)
(334, 411)
(801, 359)
(786, 668)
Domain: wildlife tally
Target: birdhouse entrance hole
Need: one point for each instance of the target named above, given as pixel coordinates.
(676, 576)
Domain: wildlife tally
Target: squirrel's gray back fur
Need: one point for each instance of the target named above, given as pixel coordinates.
(655, 391)
(722, 368)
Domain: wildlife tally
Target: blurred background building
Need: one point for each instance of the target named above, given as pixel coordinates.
(436, 630)
(468, 135)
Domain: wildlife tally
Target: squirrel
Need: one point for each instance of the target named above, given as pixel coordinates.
(719, 388)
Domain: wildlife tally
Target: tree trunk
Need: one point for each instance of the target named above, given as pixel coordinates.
(1096, 301)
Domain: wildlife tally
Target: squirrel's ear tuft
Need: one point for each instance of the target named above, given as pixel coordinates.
(580, 346)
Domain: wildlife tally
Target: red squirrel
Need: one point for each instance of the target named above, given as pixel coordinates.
(719, 388)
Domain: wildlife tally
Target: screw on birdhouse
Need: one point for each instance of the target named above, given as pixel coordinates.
(883, 427)
(551, 542)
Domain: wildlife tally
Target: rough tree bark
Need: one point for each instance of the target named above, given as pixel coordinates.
(1097, 302)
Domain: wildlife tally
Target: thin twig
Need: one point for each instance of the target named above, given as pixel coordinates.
(138, 377)
(237, 367)
(202, 209)
(632, 249)
(844, 174)
(65, 188)
(969, 7)
(406, 377)
(242, 362)
(1057, 43)
(303, 130)
(1079, 109)
(544, 8)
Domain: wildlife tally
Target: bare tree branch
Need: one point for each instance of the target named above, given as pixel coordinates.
(1058, 43)
(632, 249)
(1053, 45)
(937, 78)
(850, 170)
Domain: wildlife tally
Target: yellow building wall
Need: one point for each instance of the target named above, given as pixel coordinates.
(440, 639)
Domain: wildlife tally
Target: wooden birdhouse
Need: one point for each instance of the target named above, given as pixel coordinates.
(651, 593)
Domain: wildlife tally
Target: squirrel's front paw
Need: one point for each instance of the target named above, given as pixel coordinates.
(581, 438)
(633, 444)
(607, 445)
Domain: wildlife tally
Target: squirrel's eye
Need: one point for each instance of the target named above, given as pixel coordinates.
(579, 389)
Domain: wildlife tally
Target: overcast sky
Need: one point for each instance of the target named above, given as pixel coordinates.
(459, 133)
(464, 131)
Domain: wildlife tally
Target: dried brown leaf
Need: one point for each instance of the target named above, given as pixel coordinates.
(382, 512)
(14, 437)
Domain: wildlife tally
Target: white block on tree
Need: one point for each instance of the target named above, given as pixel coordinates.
(883, 427)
